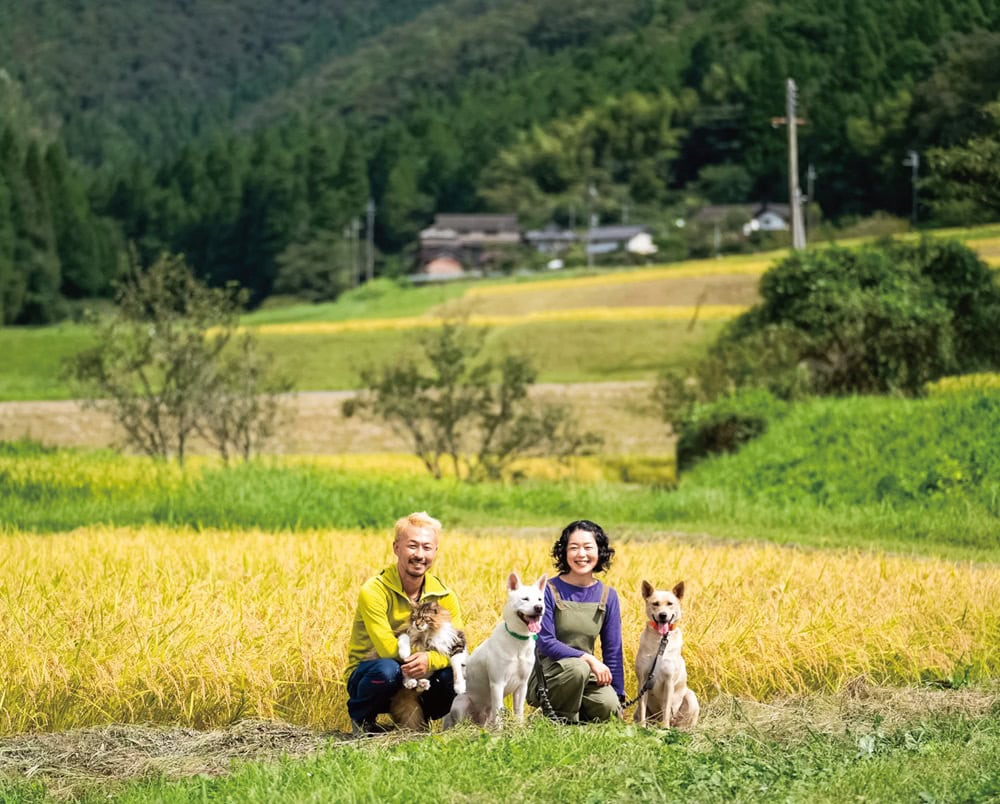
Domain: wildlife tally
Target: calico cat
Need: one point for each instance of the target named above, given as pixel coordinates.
(430, 628)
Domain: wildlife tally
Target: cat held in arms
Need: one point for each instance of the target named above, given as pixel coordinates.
(430, 628)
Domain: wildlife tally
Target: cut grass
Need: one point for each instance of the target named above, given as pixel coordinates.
(562, 351)
(738, 754)
(565, 352)
(31, 360)
(382, 298)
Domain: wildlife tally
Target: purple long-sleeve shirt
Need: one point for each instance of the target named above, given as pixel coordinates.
(611, 629)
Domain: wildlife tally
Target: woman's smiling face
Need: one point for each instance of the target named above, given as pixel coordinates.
(581, 552)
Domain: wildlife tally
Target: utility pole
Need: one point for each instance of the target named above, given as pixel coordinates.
(591, 222)
(370, 240)
(352, 248)
(912, 161)
(794, 193)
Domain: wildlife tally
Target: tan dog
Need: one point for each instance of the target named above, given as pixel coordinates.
(668, 697)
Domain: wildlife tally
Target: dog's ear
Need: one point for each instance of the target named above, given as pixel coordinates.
(513, 581)
(647, 589)
(541, 582)
(679, 590)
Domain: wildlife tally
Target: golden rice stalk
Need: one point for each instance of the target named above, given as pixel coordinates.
(106, 625)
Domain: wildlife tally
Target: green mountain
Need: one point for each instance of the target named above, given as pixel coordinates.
(250, 136)
(119, 77)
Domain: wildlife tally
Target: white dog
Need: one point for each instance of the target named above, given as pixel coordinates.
(669, 697)
(501, 665)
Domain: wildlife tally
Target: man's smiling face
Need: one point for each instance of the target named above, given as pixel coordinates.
(415, 551)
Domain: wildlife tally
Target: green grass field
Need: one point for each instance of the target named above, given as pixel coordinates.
(31, 360)
(914, 476)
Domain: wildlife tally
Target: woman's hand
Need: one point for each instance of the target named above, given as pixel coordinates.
(598, 668)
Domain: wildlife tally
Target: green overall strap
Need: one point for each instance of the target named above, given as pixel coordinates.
(560, 603)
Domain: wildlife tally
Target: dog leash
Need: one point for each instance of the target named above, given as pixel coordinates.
(543, 689)
(649, 678)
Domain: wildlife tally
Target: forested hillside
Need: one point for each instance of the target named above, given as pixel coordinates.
(126, 77)
(250, 136)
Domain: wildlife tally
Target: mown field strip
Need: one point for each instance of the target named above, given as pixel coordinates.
(682, 313)
(157, 625)
(752, 266)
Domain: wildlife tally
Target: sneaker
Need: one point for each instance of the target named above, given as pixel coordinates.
(366, 728)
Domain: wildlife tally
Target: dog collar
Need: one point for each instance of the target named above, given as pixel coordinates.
(655, 625)
(518, 636)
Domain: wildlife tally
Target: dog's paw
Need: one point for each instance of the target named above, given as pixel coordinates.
(410, 683)
(424, 684)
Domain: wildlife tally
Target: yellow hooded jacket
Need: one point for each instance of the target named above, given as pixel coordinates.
(383, 609)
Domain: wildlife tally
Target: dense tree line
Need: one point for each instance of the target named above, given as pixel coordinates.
(257, 172)
(53, 247)
(241, 208)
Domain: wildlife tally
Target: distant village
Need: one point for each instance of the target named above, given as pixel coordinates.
(458, 246)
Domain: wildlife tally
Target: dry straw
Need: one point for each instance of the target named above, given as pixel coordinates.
(586, 314)
(204, 628)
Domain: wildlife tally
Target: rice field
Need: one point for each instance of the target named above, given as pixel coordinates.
(201, 628)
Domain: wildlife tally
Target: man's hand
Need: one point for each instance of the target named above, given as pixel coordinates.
(417, 666)
(598, 668)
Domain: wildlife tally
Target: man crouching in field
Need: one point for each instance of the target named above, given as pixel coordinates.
(384, 608)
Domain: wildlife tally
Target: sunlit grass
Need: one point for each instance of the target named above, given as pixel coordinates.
(562, 351)
(983, 381)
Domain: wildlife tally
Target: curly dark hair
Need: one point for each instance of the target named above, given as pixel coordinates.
(605, 552)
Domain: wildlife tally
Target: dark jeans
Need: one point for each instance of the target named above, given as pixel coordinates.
(374, 682)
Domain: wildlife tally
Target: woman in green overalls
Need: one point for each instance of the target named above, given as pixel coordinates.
(579, 609)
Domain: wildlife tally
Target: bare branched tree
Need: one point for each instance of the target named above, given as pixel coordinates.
(455, 406)
(168, 364)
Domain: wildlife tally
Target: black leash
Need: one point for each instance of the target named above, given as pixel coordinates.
(649, 678)
(543, 689)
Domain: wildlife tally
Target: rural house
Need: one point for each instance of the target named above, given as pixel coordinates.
(748, 218)
(608, 239)
(769, 218)
(455, 245)
(551, 239)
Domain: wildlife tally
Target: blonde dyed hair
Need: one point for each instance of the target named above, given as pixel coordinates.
(419, 519)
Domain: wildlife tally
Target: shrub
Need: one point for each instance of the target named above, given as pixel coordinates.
(656, 471)
(870, 319)
(726, 424)
(880, 319)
